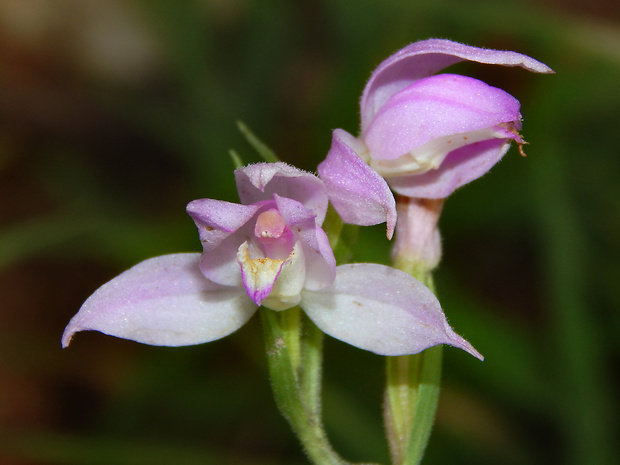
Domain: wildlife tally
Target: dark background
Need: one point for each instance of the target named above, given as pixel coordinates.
(115, 114)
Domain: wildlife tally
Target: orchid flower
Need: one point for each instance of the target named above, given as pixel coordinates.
(269, 250)
(425, 134)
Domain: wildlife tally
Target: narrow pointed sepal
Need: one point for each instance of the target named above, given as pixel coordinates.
(425, 58)
(163, 301)
(357, 192)
(383, 310)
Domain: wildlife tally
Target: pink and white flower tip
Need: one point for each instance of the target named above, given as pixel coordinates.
(426, 134)
(270, 250)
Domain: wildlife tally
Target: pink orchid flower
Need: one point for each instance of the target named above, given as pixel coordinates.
(269, 250)
(425, 134)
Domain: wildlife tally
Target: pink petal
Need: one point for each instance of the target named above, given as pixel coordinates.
(357, 192)
(320, 260)
(217, 219)
(259, 274)
(435, 107)
(163, 301)
(459, 168)
(294, 213)
(383, 310)
(319, 257)
(262, 180)
(222, 227)
(425, 58)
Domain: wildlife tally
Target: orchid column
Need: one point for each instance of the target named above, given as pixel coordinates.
(422, 135)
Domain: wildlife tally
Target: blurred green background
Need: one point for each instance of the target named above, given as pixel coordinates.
(114, 114)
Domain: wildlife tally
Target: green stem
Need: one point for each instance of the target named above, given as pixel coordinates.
(296, 385)
(290, 325)
(295, 358)
(412, 393)
(428, 378)
(312, 366)
(399, 406)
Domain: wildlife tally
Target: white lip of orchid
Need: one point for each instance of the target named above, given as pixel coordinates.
(431, 155)
(286, 291)
(272, 266)
(259, 269)
(286, 277)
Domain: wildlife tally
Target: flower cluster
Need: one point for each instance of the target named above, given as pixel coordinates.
(422, 136)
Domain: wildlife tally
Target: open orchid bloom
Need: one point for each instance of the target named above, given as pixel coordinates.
(425, 134)
(270, 251)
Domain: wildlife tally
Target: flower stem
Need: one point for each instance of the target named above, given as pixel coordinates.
(312, 363)
(412, 395)
(295, 371)
(290, 324)
(413, 381)
(295, 357)
(428, 379)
